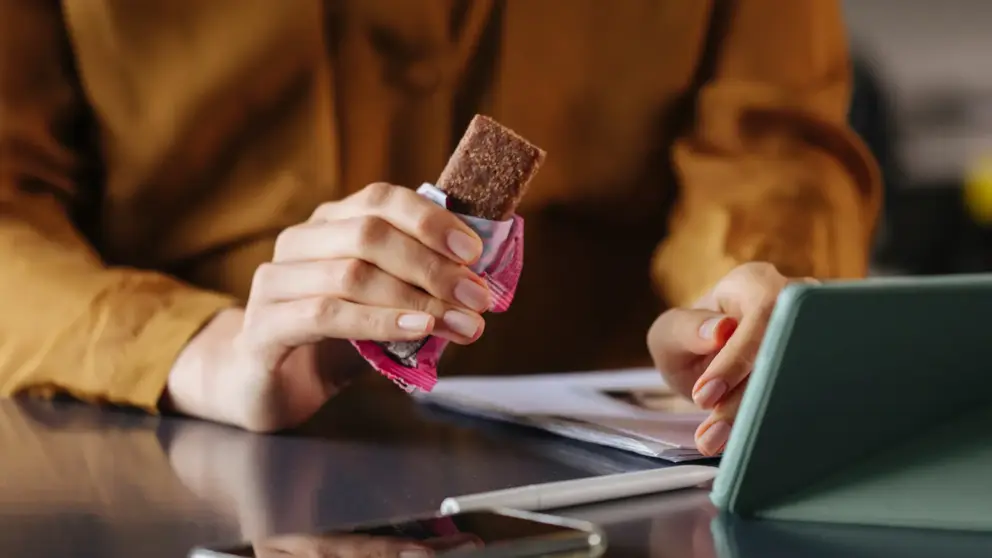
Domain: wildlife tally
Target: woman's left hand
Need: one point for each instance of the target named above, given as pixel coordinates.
(706, 352)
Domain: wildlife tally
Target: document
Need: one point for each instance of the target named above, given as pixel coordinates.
(632, 409)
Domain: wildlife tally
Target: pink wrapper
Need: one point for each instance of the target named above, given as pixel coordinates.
(500, 266)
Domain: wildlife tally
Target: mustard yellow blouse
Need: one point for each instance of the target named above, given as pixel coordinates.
(151, 151)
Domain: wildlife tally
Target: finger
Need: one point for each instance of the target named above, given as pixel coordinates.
(362, 283)
(734, 362)
(413, 214)
(679, 337)
(682, 332)
(351, 279)
(459, 326)
(751, 291)
(273, 328)
(713, 434)
(376, 241)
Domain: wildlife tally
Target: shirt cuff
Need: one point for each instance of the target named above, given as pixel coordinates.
(142, 375)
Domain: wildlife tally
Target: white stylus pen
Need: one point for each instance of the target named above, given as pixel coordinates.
(583, 491)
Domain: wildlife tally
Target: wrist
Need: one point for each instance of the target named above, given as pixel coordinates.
(193, 386)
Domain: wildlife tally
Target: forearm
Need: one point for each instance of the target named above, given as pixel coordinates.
(769, 170)
(97, 343)
(72, 325)
(804, 214)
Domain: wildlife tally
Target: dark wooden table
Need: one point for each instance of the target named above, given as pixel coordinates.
(80, 481)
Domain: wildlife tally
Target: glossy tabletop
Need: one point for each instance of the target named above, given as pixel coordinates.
(80, 481)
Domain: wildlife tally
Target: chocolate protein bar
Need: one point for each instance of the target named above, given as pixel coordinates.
(486, 177)
(490, 170)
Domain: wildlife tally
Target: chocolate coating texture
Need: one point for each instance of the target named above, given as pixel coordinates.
(489, 171)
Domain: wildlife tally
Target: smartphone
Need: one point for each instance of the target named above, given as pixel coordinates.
(477, 534)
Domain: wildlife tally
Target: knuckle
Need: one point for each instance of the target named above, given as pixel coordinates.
(252, 338)
(432, 306)
(424, 223)
(434, 271)
(377, 193)
(656, 334)
(763, 294)
(372, 230)
(264, 276)
(660, 336)
(427, 304)
(263, 282)
(322, 211)
(352, 275)
(284, 241)
(319, 310)
(759, 282)
(767, 274)
(759, 269)
(375, 324)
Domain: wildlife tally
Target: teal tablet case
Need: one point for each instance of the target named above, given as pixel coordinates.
(870, 403)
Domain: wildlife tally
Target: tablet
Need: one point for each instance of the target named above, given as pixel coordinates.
(870, 403)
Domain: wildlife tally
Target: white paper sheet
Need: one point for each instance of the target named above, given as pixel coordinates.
(579, 405)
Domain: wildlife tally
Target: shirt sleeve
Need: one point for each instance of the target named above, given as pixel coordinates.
(769, 169)
(70, 323)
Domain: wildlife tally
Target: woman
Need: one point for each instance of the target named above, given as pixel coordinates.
(186, 220)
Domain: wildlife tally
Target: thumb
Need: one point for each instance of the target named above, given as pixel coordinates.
(681, 335)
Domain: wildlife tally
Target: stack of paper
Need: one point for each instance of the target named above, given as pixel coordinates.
(631, 410)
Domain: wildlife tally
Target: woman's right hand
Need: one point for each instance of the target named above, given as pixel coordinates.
(383, 264)
(361, 546)
(338, 546)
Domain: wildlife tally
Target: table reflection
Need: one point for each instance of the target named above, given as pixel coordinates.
(669, 525)
(79, 481)
(76, 480)
(359, 546)
(116, 483)
(738, 538)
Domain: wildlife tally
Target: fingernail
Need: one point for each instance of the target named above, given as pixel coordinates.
(472, 295)
(414, 322)
(710, 393)
(414, 553)
(461, 323)
(464, 246)
(715, 437)
(708, 329)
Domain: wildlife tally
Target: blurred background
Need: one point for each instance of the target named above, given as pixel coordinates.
(923, 103)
